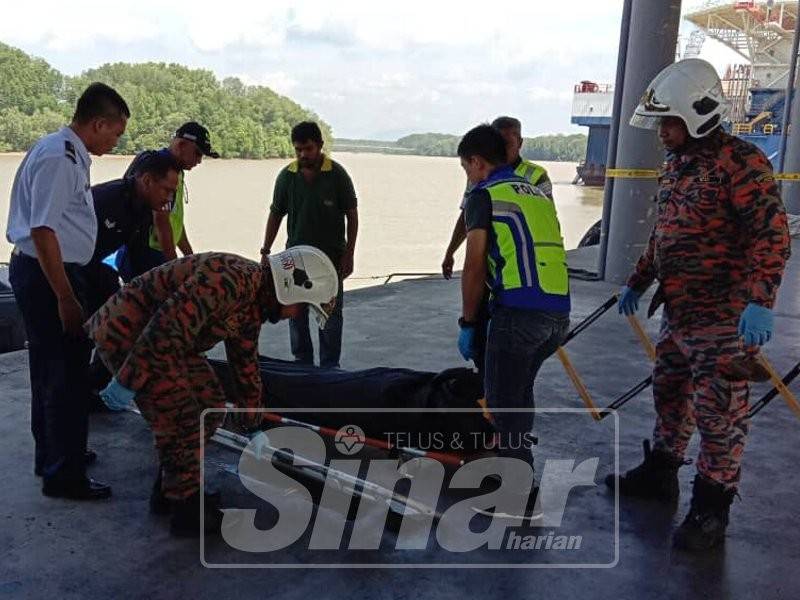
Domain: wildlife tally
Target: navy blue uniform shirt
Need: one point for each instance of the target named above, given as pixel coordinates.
(121, 217)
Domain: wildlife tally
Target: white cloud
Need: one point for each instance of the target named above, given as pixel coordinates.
(364, 66)
(544, 93)
(61, 26)
(278, 81)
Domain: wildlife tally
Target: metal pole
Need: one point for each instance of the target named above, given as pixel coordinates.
(651, 47)
(611, 158)
(789, 98)
(790, 144)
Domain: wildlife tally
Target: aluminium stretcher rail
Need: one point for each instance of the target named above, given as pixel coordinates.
(359, 486)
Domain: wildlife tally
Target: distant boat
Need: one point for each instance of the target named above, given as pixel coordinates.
(761, 32)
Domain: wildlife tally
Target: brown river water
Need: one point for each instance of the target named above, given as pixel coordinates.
(407, 206)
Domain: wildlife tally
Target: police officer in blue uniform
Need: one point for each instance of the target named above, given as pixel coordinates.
(124, 210)
(53, 228)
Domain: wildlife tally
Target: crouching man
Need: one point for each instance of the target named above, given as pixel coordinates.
(152, 335)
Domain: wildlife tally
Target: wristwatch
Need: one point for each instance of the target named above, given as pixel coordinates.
(462, 322)
(264, 251)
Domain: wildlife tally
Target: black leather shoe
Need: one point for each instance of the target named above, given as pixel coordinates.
(76, 489)
(90, 457)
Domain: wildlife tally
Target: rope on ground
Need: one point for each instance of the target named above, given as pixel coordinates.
(432, 276)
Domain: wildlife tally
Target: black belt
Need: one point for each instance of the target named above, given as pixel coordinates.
(17, 252)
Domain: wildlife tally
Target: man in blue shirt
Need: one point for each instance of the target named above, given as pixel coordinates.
(53, 228)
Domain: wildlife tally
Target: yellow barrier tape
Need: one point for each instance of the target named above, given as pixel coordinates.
(632, 173)
(787, 176)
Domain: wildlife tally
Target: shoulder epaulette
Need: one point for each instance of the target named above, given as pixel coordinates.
(69, 152)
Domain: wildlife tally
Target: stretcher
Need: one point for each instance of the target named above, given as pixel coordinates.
(379, 400)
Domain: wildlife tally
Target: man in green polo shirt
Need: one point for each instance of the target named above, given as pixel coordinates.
(318, 196)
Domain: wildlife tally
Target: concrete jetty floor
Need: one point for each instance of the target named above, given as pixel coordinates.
(59, 549)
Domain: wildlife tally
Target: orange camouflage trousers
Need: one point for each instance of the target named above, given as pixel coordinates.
(172, 404)
(693, 389)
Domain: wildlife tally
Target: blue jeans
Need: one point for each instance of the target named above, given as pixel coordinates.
(518, 343)
(59, 371)
(330, 338)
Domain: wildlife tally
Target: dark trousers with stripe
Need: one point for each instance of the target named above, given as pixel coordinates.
(101, 283)
(59, 367)
(330, 338)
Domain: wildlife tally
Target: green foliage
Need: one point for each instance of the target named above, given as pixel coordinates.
(570, 148)
(19, 131)
(245, 121)
(431, 144)
(380, 146)
(27, 84)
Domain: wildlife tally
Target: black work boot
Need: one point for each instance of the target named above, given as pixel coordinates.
(186, 519)
(704, 526)
(161, 505)
(656, 477)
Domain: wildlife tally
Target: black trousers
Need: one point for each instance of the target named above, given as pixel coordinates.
(59, 367)
(101, 282)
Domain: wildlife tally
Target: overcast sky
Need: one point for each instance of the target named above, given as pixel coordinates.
(371, 69)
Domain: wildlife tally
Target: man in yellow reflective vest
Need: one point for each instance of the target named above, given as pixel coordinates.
(511, 130)
(514, 244)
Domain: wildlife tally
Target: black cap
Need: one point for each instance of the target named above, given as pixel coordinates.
(199, 135)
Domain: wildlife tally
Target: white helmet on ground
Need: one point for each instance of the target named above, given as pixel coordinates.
(304, 274)
(689, 89)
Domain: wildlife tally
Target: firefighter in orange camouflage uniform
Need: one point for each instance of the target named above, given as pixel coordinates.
(718, 250)
(152, 335)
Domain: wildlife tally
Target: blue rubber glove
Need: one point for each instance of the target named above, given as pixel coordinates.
(258, 444)
(466, 341)
(116, 396)
(755, 325)
(628, 301)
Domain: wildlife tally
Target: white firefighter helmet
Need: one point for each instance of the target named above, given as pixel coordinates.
(689, 89)
(304, 274)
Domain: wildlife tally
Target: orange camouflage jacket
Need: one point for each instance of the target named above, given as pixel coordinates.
(721, 238)
(183, 308)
